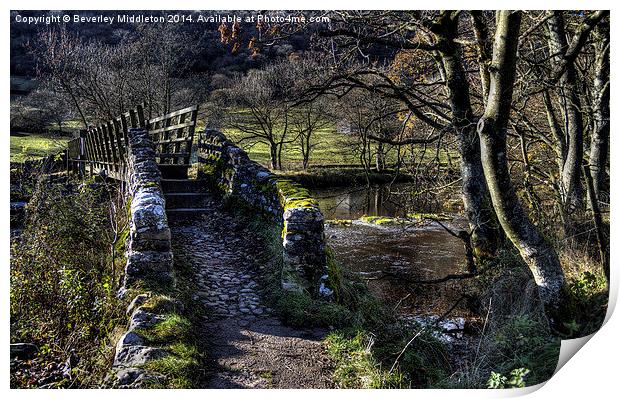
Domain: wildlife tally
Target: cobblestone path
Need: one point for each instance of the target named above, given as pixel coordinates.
(248, 346)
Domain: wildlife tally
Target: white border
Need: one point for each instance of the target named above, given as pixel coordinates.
(591, 372)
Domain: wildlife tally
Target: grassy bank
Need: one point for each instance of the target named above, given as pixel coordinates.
(26, 146)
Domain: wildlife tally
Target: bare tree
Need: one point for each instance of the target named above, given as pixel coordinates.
(264, 108)
(570, 132)
(492, 128)
(56, 53)
(600, 134)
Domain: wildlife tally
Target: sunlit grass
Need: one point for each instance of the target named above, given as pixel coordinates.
(32, 146)
(330, 147)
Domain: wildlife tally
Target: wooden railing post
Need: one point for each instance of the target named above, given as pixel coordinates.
(82, 155)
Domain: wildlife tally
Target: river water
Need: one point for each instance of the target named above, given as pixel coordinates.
(419, 251)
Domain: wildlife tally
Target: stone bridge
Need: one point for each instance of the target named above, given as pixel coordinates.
(175, 219)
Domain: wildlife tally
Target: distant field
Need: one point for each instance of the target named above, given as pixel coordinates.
(31, 146)
(331, 148)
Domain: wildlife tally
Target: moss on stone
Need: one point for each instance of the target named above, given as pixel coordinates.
(380, 220)
(161, 304)
(150, 184)
(292, 195)
(421, 216)
(339, 222)
(120, 244)
(172, 328)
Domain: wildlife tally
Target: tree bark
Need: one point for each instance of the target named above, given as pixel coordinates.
(537, 253)
(598, 224)
(600, 134)
(273, 153)
(380, 158)
(570, 173)
(474, 189)
(484, 52)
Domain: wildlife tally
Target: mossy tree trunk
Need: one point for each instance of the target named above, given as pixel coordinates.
(600, 135)
(570, 172)
(474, 189)
(492, 128)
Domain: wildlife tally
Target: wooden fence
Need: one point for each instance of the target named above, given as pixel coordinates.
(173, 134)
(104, 147)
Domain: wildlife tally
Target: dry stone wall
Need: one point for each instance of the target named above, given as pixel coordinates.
(286, 203)
(149, 264)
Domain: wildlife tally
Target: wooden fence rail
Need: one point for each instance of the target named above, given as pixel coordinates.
(104, 147)
(173, 135)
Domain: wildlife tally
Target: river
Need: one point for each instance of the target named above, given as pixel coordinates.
(421, 251)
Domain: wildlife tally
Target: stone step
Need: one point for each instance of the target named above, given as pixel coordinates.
(186, 200)
(184, 214)
(183, 185)
(173, 171)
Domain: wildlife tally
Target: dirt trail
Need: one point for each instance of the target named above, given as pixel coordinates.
(247, 346)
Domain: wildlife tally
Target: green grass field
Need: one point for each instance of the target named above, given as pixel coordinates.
(32, 146)
(331, 148)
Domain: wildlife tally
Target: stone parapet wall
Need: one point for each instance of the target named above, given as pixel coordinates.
(148, 250)
(283, 201)
(149, 263)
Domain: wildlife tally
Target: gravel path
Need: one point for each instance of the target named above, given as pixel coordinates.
(248, 346)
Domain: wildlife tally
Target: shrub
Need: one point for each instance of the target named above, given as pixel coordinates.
(586, 295)
(63, 278)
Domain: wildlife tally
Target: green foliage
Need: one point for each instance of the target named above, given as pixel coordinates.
(363, 359)
(516, 379)
(585, 303)
(524, 343)
(63, 283)
(180, 367)
(356, 366)
(515, 334)
(180, 334)
(299, 309)
(334, 273)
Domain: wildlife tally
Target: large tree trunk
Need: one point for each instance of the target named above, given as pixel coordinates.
(492, 128)
(600, 106)
(474, 189)
(570, 173)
